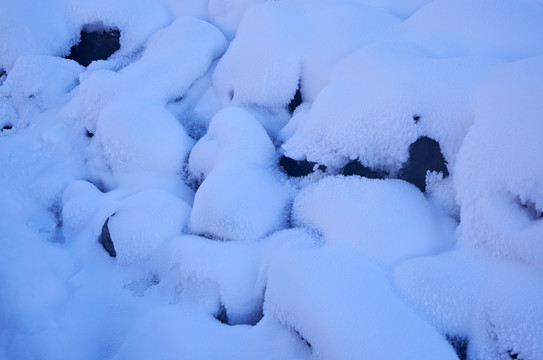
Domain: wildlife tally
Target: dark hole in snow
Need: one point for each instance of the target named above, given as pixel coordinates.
(95, 44)
(531, 208)
(105, 240)
(416, 118)
(295, 101)
(249, 319)
(513, 355)
(57, 236)
(298, 168)
(3, 76)
(307, 343)
(7, 127)
(354, 167)
(460, 345)
(89, 134)
(222, 316)
(424, 155)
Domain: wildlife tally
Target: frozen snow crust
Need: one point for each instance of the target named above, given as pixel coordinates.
(292, 179)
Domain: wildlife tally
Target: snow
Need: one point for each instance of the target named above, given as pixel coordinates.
(498, 190)
(134, 139)
(144, 221)
(233, 135)
(240, 201)
(172, 149)
(508, 29)
(387, 220)
(495, 305)
(341, 292)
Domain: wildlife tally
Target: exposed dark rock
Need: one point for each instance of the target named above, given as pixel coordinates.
(95, 45)
(354, 167)
(222, 316)
(7, 127)
(298, 168)
(89, 134)
(105, 240)
(424, 155)
(416, 118)
(295, 101)
(252, 319)
(513, 355)
(460, 345)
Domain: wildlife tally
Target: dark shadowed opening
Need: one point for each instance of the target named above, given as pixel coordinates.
(298, 168)
(460, 345)
(106, 241)
(424, 155)
(95, 44)
(295, 101)
(354, 167)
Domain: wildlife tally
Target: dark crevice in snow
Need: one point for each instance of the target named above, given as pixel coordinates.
(295, 101)
(514, 355)
(250, 319)
(96, 43)
(424, 155)
(354, 167)
(460, 345)
(222, 316)
(57, 236)
(7, 127)
(3, 76)
(530, 208)
(306, 342)
(98, 184)
(298, 168)
(106, 241)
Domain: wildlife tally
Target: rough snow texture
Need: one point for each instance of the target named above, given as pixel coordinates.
(388, 220)
(174, 141)
(500, 191)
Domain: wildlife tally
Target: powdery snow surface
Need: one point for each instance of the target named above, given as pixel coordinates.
(145, 213)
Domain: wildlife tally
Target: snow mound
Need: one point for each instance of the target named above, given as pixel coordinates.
(381, 99)
(172, 60)
(508, 29)
(144, 221)
(225, 271)
(331, 290)
(240, 201)
(495, 306)
(233, 135)
(272, 55)
(138, 142)
(80, 201)
(40, 82)
(170, 332)
(499, 173)
(388, 220)
(35, 28)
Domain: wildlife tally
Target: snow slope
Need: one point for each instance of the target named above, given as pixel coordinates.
(145, 211)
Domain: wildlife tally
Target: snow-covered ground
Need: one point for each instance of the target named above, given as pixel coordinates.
(144, 213)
